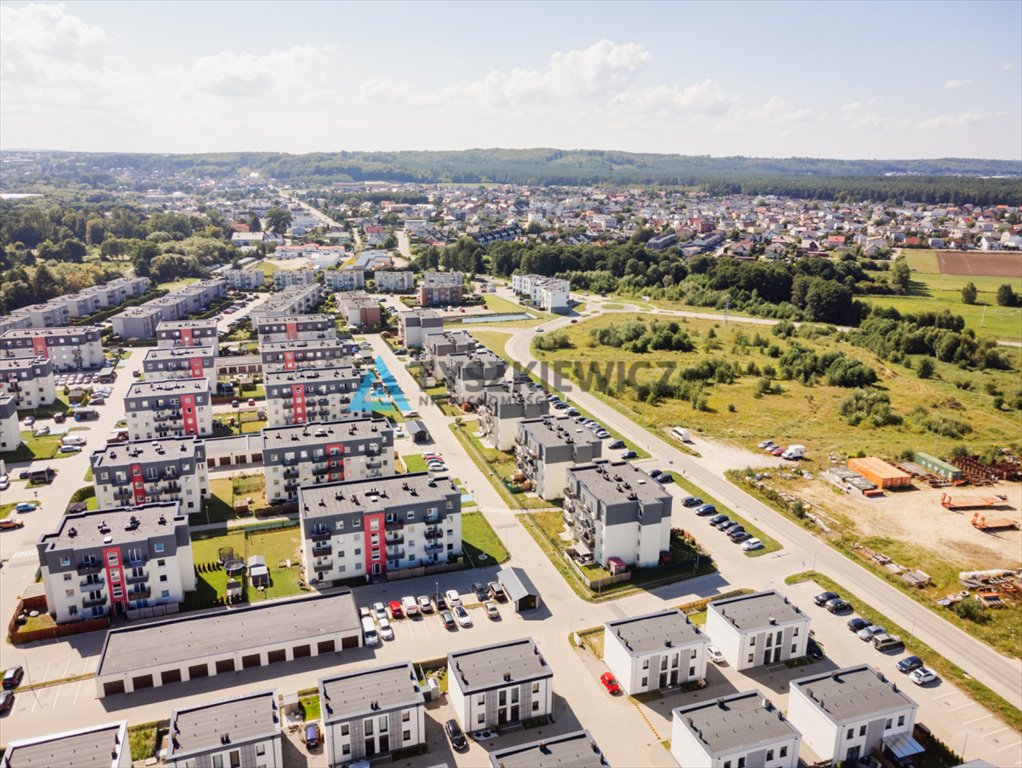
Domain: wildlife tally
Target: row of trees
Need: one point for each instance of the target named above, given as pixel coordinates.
(1006, 296)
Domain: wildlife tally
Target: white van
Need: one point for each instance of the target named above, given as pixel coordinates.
(73, 440)
(369, 632)
(794, 452)
(680, 433)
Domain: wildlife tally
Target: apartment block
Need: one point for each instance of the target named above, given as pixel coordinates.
(285, 278)
(440, 289)
(310, 394)
(499, 685)
(370, 713)
(437, 346)
(468, 374)
(138, 322)
(104, 746)
(109, 561)
(305, 353)
(344, 279)
(370, 527)
(654, 651)
(415, 325)
(547, 293)
(546, 448)
(359, 309)
(10, 429)
(394, 281)
(847, 714)
(295, 327)
(753, 630)
(167, 363)
(294, 300)
(187, 334)
(156, 409)
(504, 407)
(142, 321)
(29, 380)
(615, 510)
(242, 731)
(69, 349)
(245, 279)
(147, 471)
(741, 730)
(576, 749)
(358, 448)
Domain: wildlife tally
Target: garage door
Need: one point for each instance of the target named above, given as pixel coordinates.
(198, 670)
(247, 662)
(274, 656)
(302, 651)
(225, 665)
(349, 642)
(113, 687)
(325, 646)
(170, 676)
(142, 681)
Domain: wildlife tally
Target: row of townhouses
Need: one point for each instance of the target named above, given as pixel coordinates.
(63, 310)
(141, 322)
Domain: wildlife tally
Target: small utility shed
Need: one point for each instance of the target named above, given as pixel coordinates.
(880, 473)
(417, 430)
(936, 466)
(519, 588)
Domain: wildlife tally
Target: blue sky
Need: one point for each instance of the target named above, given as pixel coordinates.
(776, 79)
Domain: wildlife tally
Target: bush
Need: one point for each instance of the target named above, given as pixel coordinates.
(925, 369)
(869, 406)
(970, 610)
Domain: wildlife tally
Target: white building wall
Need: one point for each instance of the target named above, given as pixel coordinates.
(554, 477)
(723, 635)
(686, 749)
(10, 433)
(619, 661)
(459, 703)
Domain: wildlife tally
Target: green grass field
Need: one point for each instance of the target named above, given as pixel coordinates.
(478, 538)
(414, 462)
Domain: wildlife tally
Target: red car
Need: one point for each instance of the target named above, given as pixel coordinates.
(394, 606)
(777, 451)
(11, 525)
(610, 683)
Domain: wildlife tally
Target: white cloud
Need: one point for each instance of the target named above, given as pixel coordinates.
(1006, 67)
(950, 121)
(852, 108)
(952, 84)
(705, 98)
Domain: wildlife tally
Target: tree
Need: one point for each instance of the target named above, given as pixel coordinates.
(900, 276)
(95, 231)
(925, 369)
(969, 293)
(254, 225)
(74, 250)
(279, 219)
(1006, 296)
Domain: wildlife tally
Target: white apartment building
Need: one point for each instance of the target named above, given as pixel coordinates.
(10, 429)
(394, 281)
(172, 363)
(499, 685)
(245, 279)
(69, 349)
(503, 409)
(848, 713)
(654, 651)
(546, 448)
(547, 293)
(111, 561)
(176, 334)
(156, 409)
(147, 471)
(29, 380)
(415, 325)
(104, 745)
(243, 731)
(370, 713)
(312, 394)
(344, 279)
(286, 278)
(753, 630)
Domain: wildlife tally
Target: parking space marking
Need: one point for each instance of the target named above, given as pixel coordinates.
(994, 733)
(961, 706)
(1016, 745)
(976, 720)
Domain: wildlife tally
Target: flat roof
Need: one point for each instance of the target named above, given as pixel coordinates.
(314, 375)
(144, 451)
(853, 693)
(314, 432)
(173, 387)
(570, 750)
(739, 721)
(202, 728)
(170, 325)
(758, 610)
(877, 467)
(551, 432)
(664, 629)
(498, 665)
(611, 481)
(110, 526)
(185, 638)
(381, 689)
(96, 747)
(170, 353)
(376, 494)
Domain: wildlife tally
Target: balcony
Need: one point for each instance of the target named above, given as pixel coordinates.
(169, 488)
(136, 561)
(86, 567)
(434, 533)
(135, 579)
(321, 535)
(321, 549)
(394, 525)
(291, 472)
(122, 493)
(395, 538)
(395, 553)
(92, 583)
(91, 602)
(325, 564)
(431, 518)
(140, 593)
(434, 546)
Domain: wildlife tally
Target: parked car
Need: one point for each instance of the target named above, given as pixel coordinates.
(234, 403)
(924, 675)
(868, 633)
(838, 605)
(887, 642)
(610, 683)
(6, 701)
(655, 473)
(251, 401)
(364, 613)
(491, 609)
(629, 455)
(7, 524)
(823, 597)
(909, 664)
(425, 604)
(706, 509)
(5, 482)
(813, 650)
(379, 610)
(454, 735)
(479, 590)
(12, 678)
(602, 434)
(409, 606)
(714, 654)
(448, 619)
(496, 591)
(313, 738)
(452, 598)
(717, 520)
(69, 449)
(386, 631)
(738, 535)
(767, 445)
(691, 501)
(664, 478)
(41, 431)
(726, 525)
(854, 625)
(25, 506)
(394, 608)
(750, 545)
(617, 444)
(29, 421)
(59, 418)
(462, 616)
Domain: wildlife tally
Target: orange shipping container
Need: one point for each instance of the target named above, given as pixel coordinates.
(880, 473)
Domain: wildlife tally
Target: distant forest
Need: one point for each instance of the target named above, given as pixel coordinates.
(947, 180)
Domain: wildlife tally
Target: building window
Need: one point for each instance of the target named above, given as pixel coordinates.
(161, 562)
(741, 762)
(480, 718)
(367, 727)
(535, 706)
(69, 593)
(795, 633)
(770, 755)
(794, 649)
(158, 547)
(406, 736)
(888, 724)
(406, 716)
(218, 761)
(784, 752)
(751, 657)
(260, 750)
(645, 663)
(850, 734)
(344, 729)
(65, 562)
(346, 749)
(901, 720)
(862, 730)
(535, 687)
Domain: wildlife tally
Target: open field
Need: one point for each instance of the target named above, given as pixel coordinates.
(996, 263)
(799, 413)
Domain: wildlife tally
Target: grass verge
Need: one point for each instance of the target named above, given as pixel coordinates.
(769, 544)
(142, 739)
(479, 538)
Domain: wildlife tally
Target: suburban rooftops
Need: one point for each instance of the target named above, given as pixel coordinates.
(174, 353)
(97, 747)
(761, 609)
(570, 750)
(853, 693)
(240, 720)
(741, 720)
(499, 665)
(374, 494)
(145, 451)
(312, 375)
(365, 692)
(301, 435)
(614, 481)
(113, 526)
(169, 388)
(550, 432)
(653, 631)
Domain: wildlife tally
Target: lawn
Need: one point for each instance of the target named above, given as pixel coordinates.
(175, 284)
(7, 508)
(478, 538)
(414, 462)
(502, 306)
(223, 491)
(310, 707)
(142, 739)
(36, 448)
(498, 467)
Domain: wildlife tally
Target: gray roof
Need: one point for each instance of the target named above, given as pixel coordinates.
(853, 693)
(551, 432)
(175, 353)
(666, 629)
(570, 750)
(173, 325)
(186, 638)
(144, 451)
(516, 583)
(357, 427)
(169, 388)
(200, 729)
(607, 482)
(338, 372)
(758, 610)
(739, 721)
(376, 494)
(84, 530)
(87, 748)
(498, 666)
(358, 694)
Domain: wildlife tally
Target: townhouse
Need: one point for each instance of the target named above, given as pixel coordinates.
(29, 380)
(310, 394)
(504, 407)
(245, 279)
(105, 745)
(547, 293)
(294, 300)
(305, 353)
(654, 651)
(242, 731)
(10, 428)
(370, 527)
(576, 749)
(371, 713)
(394, 281)
(359, 309)
(109, 561)
(156, 409)
(170, 363)
(286, 278)
(617, 511)
(757, 629)
(847, 714)
(740, 730)
(344, 279)
(69, 349)
(415, 325)
(171, 334)
(499, 685)
(358, 448)
(546, 447)
(295, 327)
(439, 289)
(147, 471)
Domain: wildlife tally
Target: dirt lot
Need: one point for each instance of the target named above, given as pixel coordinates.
(998, 263)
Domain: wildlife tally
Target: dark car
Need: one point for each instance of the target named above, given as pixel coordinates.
(312, 736)
(909, 663)
(813, 650)
(854, 625)
(665, 477)
(6, 701)
(726, 525)
(629, 455)
(59, 417)
(655, 473)
(448, 619)
(717, 520)
(739, 536)
(12, 678)
(692, 501)
(706, 509)
(616, 444)
(458, 741)
(837, 605)
(823, 597)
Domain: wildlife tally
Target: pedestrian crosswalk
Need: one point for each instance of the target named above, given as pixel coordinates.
(22, 554)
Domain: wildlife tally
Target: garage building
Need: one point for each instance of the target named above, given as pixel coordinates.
(880, 473)
(188, 648)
